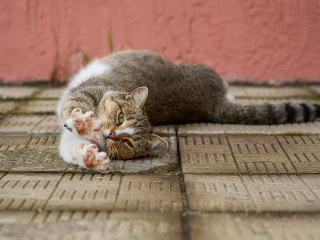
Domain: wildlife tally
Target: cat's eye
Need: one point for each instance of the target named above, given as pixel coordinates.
(129, 143)
(120, 118)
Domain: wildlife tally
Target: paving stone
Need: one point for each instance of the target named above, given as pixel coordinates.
(89, 225)
(283, 100)
(226, 227)
(238, 92)
(25, 154)
(26, 191)
(296, 128)
(8, 106)
(49, 125)
(150, 193)
(200, 128)
(40, 154)
(217, 193)
(259, 154)
(217, 128)
(17, 92)
(237, 129)
(303, 151)
(283, 92)
(252, 226)
(165, 130)
(260, 193)
(286, 193)
(39, 107)
(145, 225)
(246, 154)
(206, 154)
(19, 124)
(313, 183)
(51, 93)
(85, 192)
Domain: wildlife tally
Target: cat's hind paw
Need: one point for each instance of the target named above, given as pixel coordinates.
(85, 124)
(93, 159)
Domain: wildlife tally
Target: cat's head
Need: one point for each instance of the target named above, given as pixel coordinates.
(126, 127)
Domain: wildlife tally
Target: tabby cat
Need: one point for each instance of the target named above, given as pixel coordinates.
(103, 112)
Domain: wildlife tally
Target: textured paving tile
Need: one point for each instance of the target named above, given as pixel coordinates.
(40, 154)
(250, 154)
(207, 154)
(282, 192)
(150, 193)
(238, 92)
(19, 124)
(17, 92)
(89, 225)
(261, 193)
(8, 106)
(313, 183)
(200, 128)
(297, 128)
(235, 129)
(283, 92)
(50, 93)
(85, 192)
(303, 151)
(248, 101)
(217, 193)
(25, 154)
(217, 128)
(283, 100)
(226, 227)
(255, 227)
(165, 130)
(259, 154)
(26, 191)
(39, 107)
(49, 125)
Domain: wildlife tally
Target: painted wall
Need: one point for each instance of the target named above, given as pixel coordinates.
(244, 39)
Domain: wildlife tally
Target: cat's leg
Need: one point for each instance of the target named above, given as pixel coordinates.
(85, 125)
(79, 151)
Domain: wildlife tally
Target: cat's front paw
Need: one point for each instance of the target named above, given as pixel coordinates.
(91, 158)
(86, 125)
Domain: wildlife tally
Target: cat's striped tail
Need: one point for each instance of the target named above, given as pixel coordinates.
(266, 113)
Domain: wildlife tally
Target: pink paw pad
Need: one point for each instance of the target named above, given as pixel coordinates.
(94, 159)
(87, 125)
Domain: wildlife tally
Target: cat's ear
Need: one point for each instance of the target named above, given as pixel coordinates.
(158, 144)
(140, 96)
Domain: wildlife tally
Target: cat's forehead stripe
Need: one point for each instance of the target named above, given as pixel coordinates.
(107, 93)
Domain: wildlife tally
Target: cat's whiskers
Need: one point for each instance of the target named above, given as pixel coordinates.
(149, 107)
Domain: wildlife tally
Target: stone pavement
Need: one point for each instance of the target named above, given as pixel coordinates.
(215, 182)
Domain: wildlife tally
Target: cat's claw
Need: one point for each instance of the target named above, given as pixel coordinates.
(86, 125)
(93, 159)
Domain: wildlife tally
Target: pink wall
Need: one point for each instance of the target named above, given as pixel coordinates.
(253, 39)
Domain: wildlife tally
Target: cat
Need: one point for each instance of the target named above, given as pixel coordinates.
(102, 109)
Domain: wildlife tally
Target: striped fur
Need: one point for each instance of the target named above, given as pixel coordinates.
(267, 113)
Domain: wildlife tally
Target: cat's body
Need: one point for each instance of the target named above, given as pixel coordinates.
(178, 93)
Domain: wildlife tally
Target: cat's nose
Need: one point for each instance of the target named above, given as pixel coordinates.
(112, 135)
